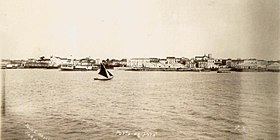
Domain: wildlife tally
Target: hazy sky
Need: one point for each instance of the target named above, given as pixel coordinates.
(139, 28)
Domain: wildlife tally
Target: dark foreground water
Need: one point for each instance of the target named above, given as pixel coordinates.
(51, 104)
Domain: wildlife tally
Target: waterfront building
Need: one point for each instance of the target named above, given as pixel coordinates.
(175, 66)
(36, 64)
(115, 63)
(262, 62)
(205, 61)
(224, 62)
(169, 63)
(97, 61)
(228, 63)
(235, 63)
(123, 62)
(201, 64)
(86, 62)
(56, 61)
(274, 67)
(183, 60)
(188, 63)
(155, 65)
(178, 60)
(248, 65)
(163, 61)
(202, 58)
(192, 63)
(75, 62)
(171, 60)
(154, 60)
(42, 62)
(138, 62)
(218, 62)
(64, 60)
(211, 63)
(261, 65)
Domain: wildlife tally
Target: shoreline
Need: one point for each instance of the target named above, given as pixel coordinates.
(154, 69)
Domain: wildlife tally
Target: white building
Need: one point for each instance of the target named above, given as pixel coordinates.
(175, 65)
(274, 67)
(97, 62)
(57, 61)
(171, 60)
(138, 62)
(156, 65)
(163, 61)
(250, 64)
(211, 63)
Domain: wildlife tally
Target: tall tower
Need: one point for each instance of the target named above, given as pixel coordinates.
(209, 55)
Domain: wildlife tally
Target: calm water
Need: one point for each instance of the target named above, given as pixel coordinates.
(51, 104)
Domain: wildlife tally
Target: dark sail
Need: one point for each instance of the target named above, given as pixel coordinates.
(103, 71)
(110, 73)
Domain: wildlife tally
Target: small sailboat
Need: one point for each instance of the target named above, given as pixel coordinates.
(105, 73)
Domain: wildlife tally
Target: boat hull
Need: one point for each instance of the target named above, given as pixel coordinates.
(224, 70)
(78, 69)
(103, 79)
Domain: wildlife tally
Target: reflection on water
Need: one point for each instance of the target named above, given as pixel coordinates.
(136, 105)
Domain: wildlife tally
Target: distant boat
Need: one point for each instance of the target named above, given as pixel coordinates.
(71, 67)
(223, 70)
(105, 73)
(67, 67)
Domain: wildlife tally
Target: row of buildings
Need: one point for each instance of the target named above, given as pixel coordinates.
(57, 62)
(43, 62)
(203, 62)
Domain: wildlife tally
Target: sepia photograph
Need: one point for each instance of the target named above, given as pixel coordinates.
(140, 69)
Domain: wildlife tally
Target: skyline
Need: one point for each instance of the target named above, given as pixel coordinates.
(126, 29)
(113, 58)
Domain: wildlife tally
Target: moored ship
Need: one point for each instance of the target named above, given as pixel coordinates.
(223, 70)
(71, 67)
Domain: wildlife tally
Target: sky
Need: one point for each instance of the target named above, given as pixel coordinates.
(139, 28)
